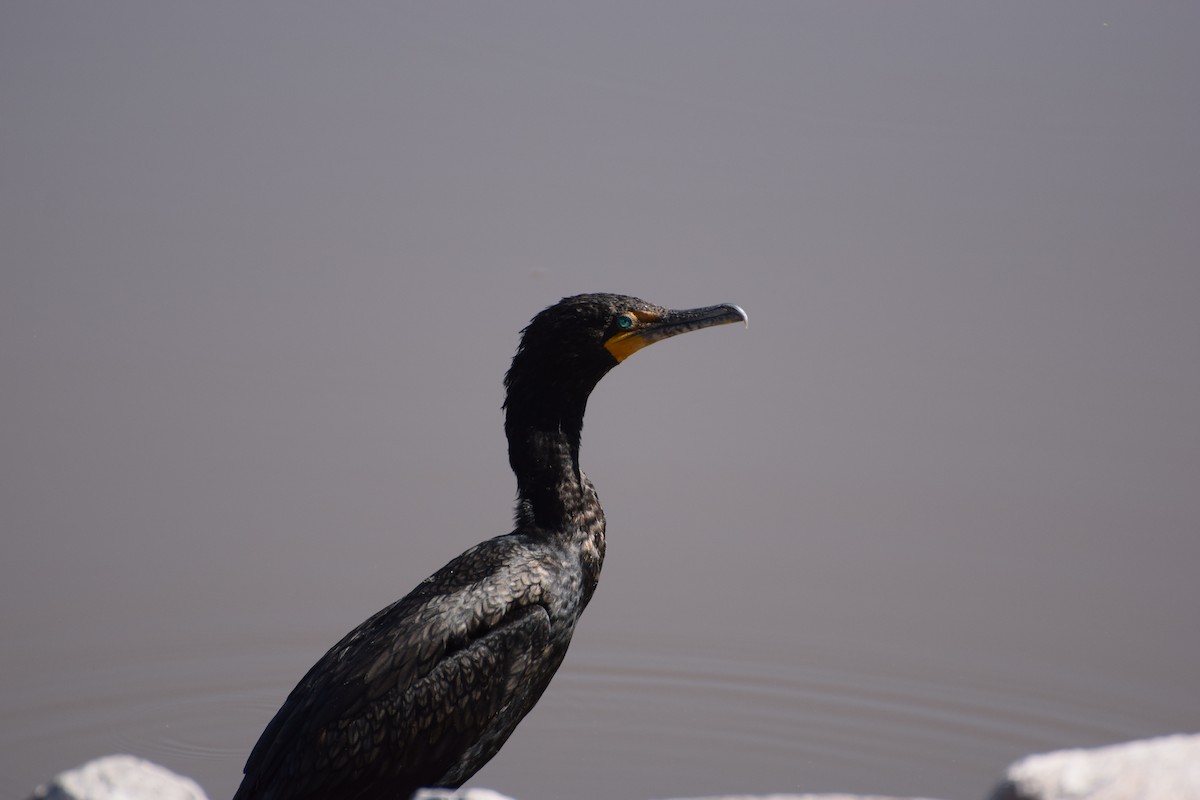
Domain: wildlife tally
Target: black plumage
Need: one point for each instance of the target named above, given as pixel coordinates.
(426, 691)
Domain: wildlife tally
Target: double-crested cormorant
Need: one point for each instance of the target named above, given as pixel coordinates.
(426, 691)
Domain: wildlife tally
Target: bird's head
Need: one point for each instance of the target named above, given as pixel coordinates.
(567, 348)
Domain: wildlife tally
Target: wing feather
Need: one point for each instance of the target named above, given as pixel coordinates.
(398, 700)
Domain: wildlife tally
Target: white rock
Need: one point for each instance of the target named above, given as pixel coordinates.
(1167, 768)
(120, 778)
(460, 794)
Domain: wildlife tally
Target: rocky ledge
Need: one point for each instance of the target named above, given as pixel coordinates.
(1166, 768)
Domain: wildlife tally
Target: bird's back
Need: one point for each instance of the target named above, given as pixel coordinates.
(427, 690)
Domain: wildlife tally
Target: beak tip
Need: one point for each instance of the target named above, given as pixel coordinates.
(741, 312)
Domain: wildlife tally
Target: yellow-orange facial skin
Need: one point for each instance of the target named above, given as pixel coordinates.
(626, 343)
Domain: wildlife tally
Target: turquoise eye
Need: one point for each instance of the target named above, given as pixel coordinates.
(625, 321)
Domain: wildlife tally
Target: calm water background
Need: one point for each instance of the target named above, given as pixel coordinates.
(262, 269)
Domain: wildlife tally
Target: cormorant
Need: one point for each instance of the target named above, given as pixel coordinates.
(426, 691)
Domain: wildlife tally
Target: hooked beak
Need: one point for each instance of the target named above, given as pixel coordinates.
(649, 329)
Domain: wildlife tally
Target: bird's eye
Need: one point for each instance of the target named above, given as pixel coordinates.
(625, 321)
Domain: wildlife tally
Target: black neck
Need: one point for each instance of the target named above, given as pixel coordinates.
(543, 450)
